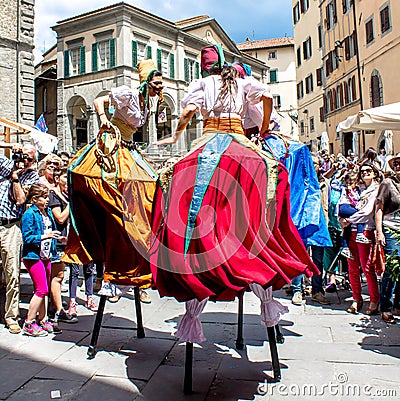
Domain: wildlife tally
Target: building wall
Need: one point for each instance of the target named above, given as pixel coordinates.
(309, 104)
(125, 24)
(285, 85)
(380, 57)
(16, 60)
(334, 37)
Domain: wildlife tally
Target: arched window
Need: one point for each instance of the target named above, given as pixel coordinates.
(353, 88)
(338, 98)
(334, 99)
(349, 90)
(329, 101)
(376, 90)
(340, 95)
(346, 93)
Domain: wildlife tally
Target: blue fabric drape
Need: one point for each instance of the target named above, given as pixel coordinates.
(305, 196)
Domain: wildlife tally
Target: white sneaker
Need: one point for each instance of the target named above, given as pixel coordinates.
(297, 298)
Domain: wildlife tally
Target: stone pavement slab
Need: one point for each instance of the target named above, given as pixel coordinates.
(323, 345)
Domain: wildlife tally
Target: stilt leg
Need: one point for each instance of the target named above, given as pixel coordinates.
(140, 329)
(279, 336)
(274, 353)
(91, 353)
(239, 339)
(187, 384)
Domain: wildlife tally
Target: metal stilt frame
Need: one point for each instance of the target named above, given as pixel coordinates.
(91, 353)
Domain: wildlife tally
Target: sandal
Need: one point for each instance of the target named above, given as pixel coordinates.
(373, 308)
(388, 317)
(355, 307)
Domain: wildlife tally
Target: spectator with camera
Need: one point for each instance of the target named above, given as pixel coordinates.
(16, 175)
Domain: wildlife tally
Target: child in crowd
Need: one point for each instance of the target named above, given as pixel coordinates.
(89, 275)
(349, 204)
(39, 246)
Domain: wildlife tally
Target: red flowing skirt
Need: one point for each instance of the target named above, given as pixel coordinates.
(240, 236)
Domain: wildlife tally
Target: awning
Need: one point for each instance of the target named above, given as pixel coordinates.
(378, 118)
(44, 143)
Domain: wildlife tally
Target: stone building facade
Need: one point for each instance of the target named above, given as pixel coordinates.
(357, 46)
(16, 60)
(99, 50)
(278, 54)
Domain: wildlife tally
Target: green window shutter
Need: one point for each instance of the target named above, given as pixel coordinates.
(134, 54)
(197, 67)
(172, 65)
(148, 53)
(82, 59)
(272, 76)
(112, 53)
(186, 70)
(94, 57)
(66, 63)
(159, 64)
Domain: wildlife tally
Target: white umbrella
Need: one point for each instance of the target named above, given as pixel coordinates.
(378, 118)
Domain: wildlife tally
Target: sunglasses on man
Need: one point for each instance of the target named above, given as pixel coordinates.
(367, 171)
(28, 158)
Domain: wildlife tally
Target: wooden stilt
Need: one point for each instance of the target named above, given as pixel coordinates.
(91, 353)
(274, 353)
(239, 339)
(279, 336)
(140, 329)
(187, 384)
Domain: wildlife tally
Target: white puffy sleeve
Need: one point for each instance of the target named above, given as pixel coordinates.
(255, 89)
(195, 95)
(121, 96)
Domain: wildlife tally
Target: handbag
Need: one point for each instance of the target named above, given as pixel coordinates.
(378, 258)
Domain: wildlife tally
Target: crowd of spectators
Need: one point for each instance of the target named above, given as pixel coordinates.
(34, 225)
(362, 208)
(361, 203)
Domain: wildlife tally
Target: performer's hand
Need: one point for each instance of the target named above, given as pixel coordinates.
(62, 239)
(343, 222)
(51, 234)
(104, 122)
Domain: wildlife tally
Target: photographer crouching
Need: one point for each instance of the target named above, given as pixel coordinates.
(16, 174)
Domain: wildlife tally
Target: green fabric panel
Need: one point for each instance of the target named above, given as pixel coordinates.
(66, 63)
(94, 57)
(82, 59)
(112, 53)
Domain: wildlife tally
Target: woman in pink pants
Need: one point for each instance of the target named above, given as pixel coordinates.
(370, 177)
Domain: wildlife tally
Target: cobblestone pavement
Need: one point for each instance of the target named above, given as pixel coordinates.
(327, 354)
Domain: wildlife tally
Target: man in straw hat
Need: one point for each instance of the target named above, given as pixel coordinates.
(112, 187)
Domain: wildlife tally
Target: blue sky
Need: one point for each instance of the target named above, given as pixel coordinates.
(256, 19)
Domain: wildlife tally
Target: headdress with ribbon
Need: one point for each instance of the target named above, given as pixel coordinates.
(243, 69)
(212, 58)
